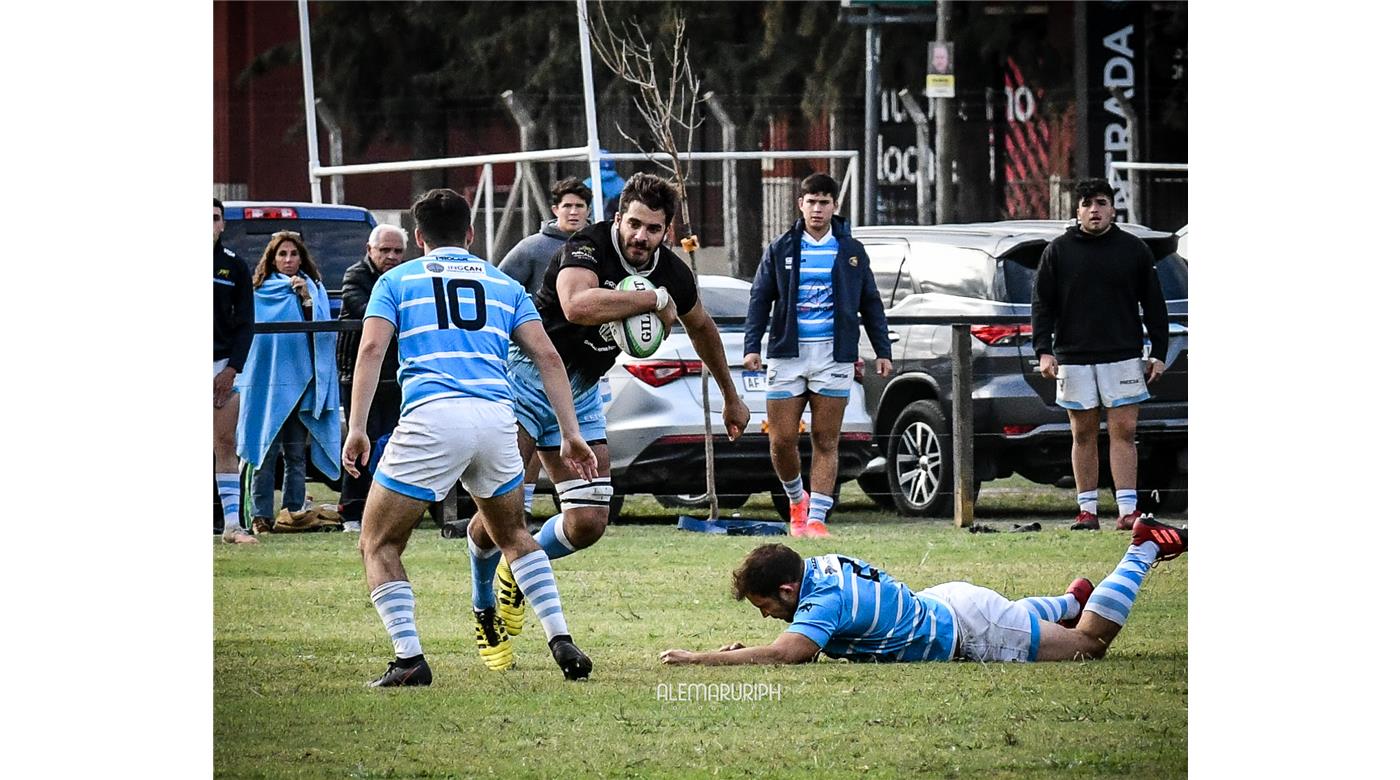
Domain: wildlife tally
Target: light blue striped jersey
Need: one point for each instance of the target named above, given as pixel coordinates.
(454, 314)
(852, 610)
(816, 314)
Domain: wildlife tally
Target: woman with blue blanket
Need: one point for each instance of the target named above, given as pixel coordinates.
(289, 384)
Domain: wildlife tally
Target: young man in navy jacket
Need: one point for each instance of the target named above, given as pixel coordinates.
(814, 287)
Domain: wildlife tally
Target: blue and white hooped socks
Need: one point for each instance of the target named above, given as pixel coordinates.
(1089, 501)
(821, 504)
(793, 488)
(228, 497)
(483, 574)
(1126, 500)
(1112, 599)
(552, 540)
(1052, 608)
(394, 602)
(535, 577)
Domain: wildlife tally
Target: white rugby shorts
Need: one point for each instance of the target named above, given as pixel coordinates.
(442, 441)
(1110, 384)
(813, 369)
(991, 627)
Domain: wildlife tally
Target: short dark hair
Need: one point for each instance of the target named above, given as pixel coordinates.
(218, 204)
(443, 217)
(764, 569)
(819, 184)
(653, 191)
(572, 185)
(1091, 187)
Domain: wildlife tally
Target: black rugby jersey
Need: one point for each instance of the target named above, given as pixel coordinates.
(585, 349)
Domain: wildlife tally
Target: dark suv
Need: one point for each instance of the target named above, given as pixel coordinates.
(335, 235)
(989, 269)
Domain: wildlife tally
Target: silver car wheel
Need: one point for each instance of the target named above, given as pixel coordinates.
(918, 462)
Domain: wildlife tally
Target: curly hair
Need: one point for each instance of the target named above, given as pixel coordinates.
(267, 264)
(654, 192)
(1091, 187)
(764, 569)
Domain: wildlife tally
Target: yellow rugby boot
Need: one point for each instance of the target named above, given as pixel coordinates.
(510, 599)
(492, 643)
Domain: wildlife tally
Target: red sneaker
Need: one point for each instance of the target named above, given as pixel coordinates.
(816, 529)
(1125, 523)
(797, 515)
(1171, 542)
(1085, 521)
(1080, 590)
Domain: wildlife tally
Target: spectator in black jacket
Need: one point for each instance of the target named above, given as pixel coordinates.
(386, 247)
(1087, 330)
(233, 335)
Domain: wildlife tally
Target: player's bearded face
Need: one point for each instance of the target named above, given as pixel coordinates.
(782, 606)
(640, 231)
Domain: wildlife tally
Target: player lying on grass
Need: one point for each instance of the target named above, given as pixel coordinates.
(848, 609)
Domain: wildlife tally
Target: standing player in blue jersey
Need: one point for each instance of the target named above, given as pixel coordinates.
(455, 316)
(849, 609)
(577, 300)
(815, 283)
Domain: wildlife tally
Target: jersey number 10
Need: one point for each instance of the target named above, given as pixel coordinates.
(449, 306)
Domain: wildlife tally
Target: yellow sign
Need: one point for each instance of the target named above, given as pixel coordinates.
(936, 86)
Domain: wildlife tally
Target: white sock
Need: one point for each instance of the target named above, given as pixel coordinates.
(228, 498)
(1089, 501)
(1114, 596)
(1127, 502)
(394, 602)
(793, 488)
(535, 577)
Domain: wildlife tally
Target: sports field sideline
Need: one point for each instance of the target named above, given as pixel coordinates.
(296, 639)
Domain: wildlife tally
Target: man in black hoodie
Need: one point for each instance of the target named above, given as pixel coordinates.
(1087, 330)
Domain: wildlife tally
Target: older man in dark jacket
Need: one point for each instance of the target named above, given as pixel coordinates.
(385, 250)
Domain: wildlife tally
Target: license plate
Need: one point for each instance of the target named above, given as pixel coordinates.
(754, 382)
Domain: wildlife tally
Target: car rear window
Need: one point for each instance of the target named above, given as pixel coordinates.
(335, 245)
(725, 301)
(1171, 272)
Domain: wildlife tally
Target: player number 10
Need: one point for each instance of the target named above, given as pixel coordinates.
(449, 307)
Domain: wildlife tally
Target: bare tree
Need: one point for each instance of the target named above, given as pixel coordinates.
(668, 95)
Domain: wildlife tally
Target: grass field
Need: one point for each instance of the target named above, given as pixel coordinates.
(296, 639)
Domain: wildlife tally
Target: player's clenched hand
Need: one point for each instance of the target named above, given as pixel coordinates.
(678, 657)
(752, 362)
(732, 646)
(576, 452)
(1049, 367)
(355, 453)
(736, 416)
(883, 366)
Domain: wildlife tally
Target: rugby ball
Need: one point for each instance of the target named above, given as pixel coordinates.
(641, 334)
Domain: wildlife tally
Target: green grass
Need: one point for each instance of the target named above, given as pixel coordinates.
(296, 639)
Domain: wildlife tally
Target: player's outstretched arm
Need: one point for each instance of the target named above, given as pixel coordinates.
(374, 343)
(788, 648)
(705, 338)
(535, 343)
(585, 303)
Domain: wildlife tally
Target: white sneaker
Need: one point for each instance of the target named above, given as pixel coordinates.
(352, 526)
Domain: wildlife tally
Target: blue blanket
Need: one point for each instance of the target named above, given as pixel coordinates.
(282, 376)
